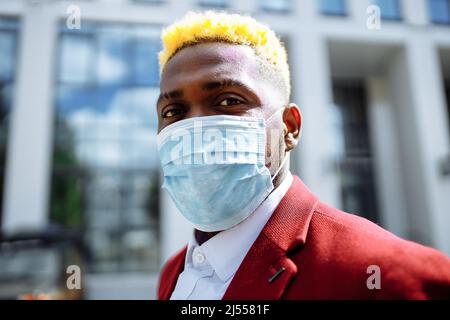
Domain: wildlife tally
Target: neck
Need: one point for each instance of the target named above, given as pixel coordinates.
(279, 178)
(202, 236)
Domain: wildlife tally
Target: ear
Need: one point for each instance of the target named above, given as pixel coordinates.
(292, 125)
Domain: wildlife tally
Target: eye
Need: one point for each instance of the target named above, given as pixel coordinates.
(172, 111)
(230, 102)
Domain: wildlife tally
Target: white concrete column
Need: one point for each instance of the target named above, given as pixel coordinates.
(416, 87)
(358, 10)
(307, 10)
(430, 123)
(248, 7)
(386, 156)
(415, 12)
(30, 143)
(312, 92)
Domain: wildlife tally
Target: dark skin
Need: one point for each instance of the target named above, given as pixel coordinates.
(224, 79)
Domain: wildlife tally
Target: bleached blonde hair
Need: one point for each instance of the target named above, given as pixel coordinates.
(213, 26)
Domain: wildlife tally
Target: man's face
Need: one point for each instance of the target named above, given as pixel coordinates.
(221, 79)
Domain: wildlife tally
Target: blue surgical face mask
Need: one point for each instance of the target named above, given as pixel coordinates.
(214, 168)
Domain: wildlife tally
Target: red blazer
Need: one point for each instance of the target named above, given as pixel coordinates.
(325, 254)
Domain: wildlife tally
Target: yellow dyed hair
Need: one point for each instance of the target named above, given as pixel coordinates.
(212, 26)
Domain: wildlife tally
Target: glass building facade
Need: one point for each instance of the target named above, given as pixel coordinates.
(439, 11)
(333, 7)
(355, 159)
(105, 178)
(390, 9)
(282, 6)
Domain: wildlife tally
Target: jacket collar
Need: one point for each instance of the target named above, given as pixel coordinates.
(267, 269)
(288, 226)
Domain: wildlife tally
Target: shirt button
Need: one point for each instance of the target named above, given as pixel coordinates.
(199, 258)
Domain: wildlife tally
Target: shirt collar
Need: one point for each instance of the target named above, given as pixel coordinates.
(226, 250)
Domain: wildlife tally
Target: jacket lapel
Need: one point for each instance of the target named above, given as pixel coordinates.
(171, 278)
(267, 270)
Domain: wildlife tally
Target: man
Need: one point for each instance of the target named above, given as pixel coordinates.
(226, 128)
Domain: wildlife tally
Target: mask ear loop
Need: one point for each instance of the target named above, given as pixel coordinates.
(286, 157)
(274, 114)
(287, 153)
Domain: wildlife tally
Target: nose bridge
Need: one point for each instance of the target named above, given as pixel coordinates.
(199, 110)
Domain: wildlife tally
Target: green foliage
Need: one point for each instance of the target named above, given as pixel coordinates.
(66, 198)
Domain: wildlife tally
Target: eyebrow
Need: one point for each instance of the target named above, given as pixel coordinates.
(207, 86)
(174, 94)
(212, 85)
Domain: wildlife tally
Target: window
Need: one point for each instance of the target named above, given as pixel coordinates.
(333, 7)
(275, 5)
(8, 49)
(355, 160)
(105, 162)
(213, 3)
(439, 11)
(390, 9)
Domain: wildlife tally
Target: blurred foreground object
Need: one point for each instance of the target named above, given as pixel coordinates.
(34, 264)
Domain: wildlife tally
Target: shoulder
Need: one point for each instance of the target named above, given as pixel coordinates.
(349, 247)
(170, 271)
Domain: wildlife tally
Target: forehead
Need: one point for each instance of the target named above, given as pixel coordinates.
(210, 61)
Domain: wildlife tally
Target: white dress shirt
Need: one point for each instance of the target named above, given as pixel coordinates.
(210, 267)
